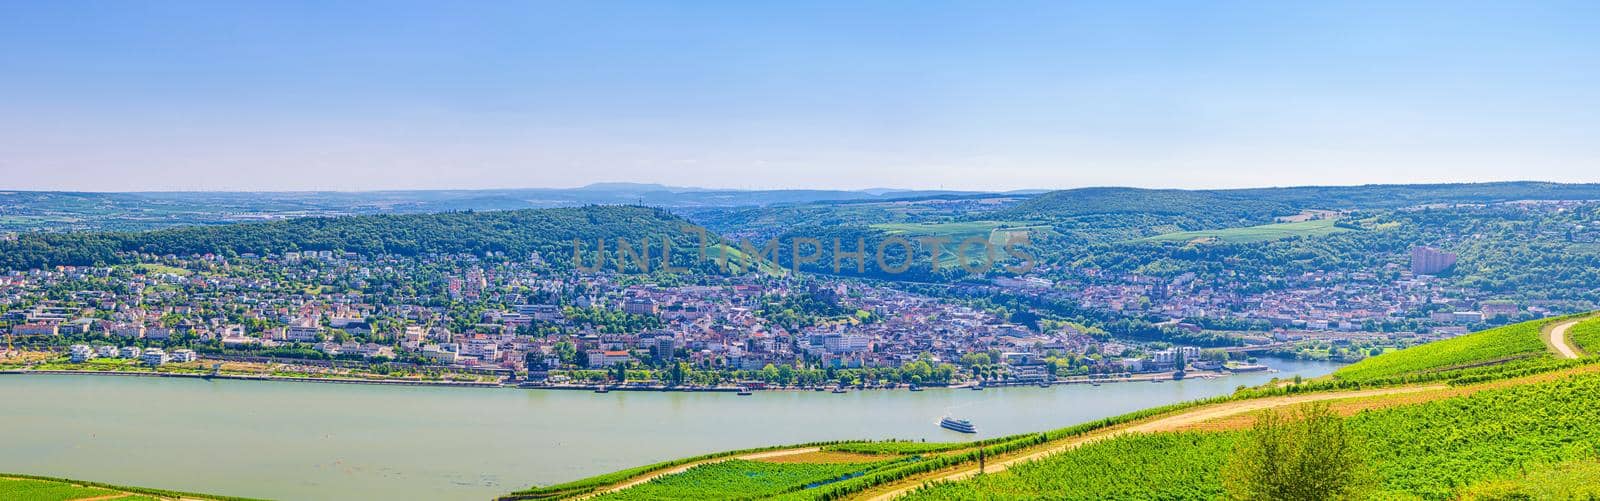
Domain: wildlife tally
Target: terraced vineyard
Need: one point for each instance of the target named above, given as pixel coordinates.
(1491, 346)
(32, 488)
(1429, 450)
(1586, 335)
(741, 479)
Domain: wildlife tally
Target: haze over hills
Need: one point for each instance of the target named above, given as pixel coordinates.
(22, 211)
(65, 211)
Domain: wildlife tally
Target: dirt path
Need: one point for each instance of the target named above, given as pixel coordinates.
(685, 467)
(1166, 423)
(1558, 342)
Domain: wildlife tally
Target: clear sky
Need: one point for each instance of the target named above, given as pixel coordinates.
(208, 95)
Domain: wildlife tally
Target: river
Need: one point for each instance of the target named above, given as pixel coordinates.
(334, 441)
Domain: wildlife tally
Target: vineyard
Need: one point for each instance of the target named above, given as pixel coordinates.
(741, 479)
(1586, 335)
(1431, 450)
(1495, 345)
(14, 487)
(1171, 466)
(895, 447)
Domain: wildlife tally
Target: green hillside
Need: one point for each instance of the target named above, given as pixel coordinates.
(1500, 344)
(517, 233)
(1251, 234)
(1427, 451)
(36, 488)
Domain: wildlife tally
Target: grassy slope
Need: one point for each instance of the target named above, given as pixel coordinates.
(1586, 336)
(1502, 343)
(996, 232)
(1250, 234)
(739, 479)
(37, 488)
(1428, 450)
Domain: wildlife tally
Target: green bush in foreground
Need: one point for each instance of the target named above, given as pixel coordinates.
(1304, 455)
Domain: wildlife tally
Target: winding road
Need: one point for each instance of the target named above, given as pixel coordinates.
(1559, 342)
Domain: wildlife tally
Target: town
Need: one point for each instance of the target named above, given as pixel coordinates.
(497, 318)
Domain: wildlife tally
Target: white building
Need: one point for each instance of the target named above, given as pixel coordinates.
(183, 355)
(302, 333)
(130, 352)
(81, 353)
(154, 356)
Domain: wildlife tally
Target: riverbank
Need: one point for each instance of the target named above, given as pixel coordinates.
(242, 377)
(646, 387)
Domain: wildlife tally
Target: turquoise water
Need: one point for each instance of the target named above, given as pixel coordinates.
(331, 441)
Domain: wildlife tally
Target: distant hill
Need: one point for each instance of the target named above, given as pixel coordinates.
(23, 211)
(549, 232)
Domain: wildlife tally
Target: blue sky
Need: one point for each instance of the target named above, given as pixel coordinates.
(174, 94)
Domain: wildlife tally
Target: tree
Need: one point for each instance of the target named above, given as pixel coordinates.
(1306, 454)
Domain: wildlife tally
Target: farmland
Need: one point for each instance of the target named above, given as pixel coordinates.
(740, 479)
(1499, 344)
(995, 232)
(1586, 335)
(1430, 450)
(33, 488)
(1251, 234)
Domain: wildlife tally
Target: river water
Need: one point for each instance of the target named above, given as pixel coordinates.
(332, 441)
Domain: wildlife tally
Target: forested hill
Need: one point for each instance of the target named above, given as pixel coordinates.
(1257, 204)
(548, 231)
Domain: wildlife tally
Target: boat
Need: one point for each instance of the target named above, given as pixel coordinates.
(745, 392)
(819, 388)
(602, 389)
(961, 425)
(916, 388)
(840, 390)
(1044, 384)
(977, 387)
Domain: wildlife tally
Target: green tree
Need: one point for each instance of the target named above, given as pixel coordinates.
(1306, 454)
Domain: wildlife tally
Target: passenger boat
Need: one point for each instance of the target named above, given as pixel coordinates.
(745, 391)
(840, 390)
(961, 425)
(977, 387)
(602, 389)
(916, 388)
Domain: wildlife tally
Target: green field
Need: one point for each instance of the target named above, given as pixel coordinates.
(23, 489)
(1263, 233)
(161, 269)
(1430, 450)
(36, 488)
(1586, 336)
(1500, 344)
(995, 232)
(740, 479)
